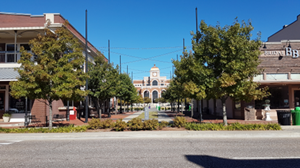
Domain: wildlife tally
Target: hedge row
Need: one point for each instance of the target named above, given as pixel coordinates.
(134, 124)
(66, 129)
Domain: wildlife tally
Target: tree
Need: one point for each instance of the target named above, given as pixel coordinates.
(126, 89)
(147, 100)
(103, 81)
(54, 72)
(223, 65)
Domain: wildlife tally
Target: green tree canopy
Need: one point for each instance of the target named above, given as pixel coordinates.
(54, 72)
(103, 81)
(223, 64)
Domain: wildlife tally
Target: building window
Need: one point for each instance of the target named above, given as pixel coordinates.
(154, 95)
(18, 105)
(154, 83)
(277, 76)
(26, 46)
(258, 77)
(295, 76)
(278, 99)
(146, 94)
(162, 84)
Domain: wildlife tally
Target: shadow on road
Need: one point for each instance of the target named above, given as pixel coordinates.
(216, 162)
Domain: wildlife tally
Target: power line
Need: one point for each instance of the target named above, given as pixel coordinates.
(149, 48)
(149, 58)
(137, 57)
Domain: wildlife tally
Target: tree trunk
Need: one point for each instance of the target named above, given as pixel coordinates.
(50, 114)
(177, 107)
(99, 109)
(116, 110)
(200, 111)
(182, 106)
(224, 110)
(192, 108)
(120, 105)
(109, 108)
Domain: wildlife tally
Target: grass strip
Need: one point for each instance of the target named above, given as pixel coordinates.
(151, 115)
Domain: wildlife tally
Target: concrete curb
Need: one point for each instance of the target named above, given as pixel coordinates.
(149, 134)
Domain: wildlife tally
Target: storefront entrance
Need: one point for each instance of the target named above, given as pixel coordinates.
(297, 98)
(2, 103)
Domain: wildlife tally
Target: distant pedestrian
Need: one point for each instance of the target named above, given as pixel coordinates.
(149, 107)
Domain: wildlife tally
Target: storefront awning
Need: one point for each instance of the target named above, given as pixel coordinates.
(8, 74)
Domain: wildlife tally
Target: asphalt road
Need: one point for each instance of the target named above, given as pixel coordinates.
(152, 152)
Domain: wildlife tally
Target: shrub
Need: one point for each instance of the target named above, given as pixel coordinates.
(66, 129)
(6, 114)
(135, 124)
(100, 124)
(162, 108)
(94, 124)
(120, 125)
(163, 124)
(231, 127)
(179, 122)
(108, 123)
(151, 124)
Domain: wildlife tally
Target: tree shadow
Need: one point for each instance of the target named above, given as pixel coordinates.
(212, 162)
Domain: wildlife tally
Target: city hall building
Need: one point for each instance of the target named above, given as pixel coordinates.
(280, 61)
(16, 30)
(152, 86)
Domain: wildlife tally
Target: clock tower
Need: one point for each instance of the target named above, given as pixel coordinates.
(154, 72)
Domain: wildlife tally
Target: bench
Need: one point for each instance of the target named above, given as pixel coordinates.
(33, 119)
(58, 117)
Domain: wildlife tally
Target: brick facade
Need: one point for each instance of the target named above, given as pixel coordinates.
(26, 27)
(148, 83)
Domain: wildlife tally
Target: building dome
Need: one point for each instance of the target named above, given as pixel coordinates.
(154, 68)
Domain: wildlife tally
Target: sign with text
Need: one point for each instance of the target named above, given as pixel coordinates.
(288, 52)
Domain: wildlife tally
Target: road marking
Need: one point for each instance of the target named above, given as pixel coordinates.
(262, 158)
(9, 142)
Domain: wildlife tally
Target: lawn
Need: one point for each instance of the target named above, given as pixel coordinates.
(151, 115)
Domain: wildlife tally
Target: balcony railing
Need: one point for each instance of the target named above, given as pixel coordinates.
(9, 57)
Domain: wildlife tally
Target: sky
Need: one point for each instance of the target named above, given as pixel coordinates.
(155, 29)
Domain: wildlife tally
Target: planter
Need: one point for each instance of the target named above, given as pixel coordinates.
(6, 119)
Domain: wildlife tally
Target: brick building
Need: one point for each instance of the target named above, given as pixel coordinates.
(153, 85)
(281, 63)
(15, 31)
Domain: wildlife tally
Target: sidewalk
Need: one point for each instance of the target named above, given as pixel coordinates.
(213, 119)
(151, 134)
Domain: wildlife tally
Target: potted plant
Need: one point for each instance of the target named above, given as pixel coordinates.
(267, 105)
(6, 116)
(267, 109)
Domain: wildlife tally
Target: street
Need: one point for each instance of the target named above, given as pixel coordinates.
(151, 152)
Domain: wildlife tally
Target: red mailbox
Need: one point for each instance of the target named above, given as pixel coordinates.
(73, 114)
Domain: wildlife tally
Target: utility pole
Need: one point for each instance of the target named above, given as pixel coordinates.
(109, 51)
(108, 98)
(183, 54)
(86, 71)
(120, 97)
(198, 103)
(178, 96)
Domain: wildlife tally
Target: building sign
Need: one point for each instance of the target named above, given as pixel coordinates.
(273, 53)
(288, 52)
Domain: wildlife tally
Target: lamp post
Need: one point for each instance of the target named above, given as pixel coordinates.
(86, 71)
